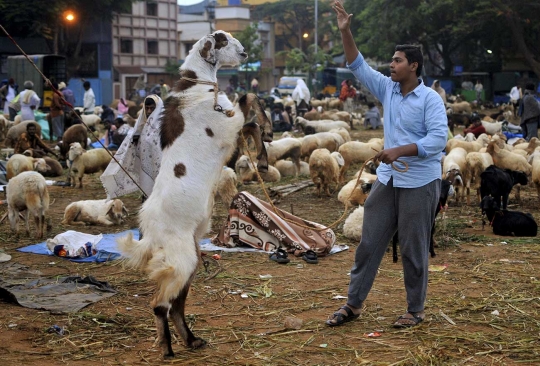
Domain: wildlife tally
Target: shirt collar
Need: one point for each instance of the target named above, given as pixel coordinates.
(417, 90)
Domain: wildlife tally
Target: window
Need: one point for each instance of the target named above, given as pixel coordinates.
(188, 46)
(151, 9)
(152, 47)
(126, 45)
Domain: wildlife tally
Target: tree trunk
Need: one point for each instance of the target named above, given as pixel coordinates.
(517, 32)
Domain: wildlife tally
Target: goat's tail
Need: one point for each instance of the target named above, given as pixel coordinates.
(138, 252)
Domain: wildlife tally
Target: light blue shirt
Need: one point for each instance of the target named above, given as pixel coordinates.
(416, 118)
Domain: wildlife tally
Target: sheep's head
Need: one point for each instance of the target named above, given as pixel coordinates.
(220, 48)
(117, 211)
(40, 165)
(75, 149)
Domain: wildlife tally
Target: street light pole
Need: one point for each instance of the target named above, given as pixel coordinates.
(316, 19)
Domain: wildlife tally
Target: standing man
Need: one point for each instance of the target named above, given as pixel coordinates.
(478, 88)
(57, 116)
(89, 100)
(29, 102)
(68, 95)
(8, 92)
(347, 95)
(515, 97)
(529, 111)
(415, 133)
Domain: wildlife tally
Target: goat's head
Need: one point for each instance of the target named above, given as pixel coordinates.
(519, 177)
(220, 48)
(117, 211)
(454, 176)
(489, 206)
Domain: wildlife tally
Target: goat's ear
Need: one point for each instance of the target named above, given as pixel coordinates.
(221, 40)
(207, 52)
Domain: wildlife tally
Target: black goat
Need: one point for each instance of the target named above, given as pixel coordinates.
(446, 191)
(498, 183)
(510, 223)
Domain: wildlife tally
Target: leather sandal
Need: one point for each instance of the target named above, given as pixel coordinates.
(340, 319)
(310, 257)
(279, 256)
(415, 320)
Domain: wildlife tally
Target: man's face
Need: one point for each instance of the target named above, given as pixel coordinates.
(400, 68)
(149, 109)
(31, 131)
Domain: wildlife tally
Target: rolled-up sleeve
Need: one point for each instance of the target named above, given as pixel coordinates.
(437, 127)
(373, 80)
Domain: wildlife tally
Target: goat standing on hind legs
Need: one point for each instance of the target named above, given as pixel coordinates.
(199, 132)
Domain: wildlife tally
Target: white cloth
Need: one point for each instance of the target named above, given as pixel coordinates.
(28, 98)
(9, 97)
(301, 92)
(73, 241)
(141, 160)
(514, 94)
(89, 101)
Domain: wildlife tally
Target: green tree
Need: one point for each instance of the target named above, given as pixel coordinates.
(249, 38)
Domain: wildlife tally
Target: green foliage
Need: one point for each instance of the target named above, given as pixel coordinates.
(297, 60)
(249, 39)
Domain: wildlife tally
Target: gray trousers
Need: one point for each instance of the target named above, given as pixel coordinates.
(58, 127)
(411, 211)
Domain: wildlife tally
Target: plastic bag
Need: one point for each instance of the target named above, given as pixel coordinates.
(73, 244)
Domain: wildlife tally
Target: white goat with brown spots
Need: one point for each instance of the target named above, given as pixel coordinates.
(199, 131)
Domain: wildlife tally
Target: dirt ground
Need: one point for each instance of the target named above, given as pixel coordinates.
(482, 308)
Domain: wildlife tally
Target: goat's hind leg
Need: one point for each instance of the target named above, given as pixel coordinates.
(164, 333)
(177, 316)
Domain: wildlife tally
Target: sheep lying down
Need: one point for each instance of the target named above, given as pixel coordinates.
(95, 212)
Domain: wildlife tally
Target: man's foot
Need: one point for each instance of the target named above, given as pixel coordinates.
(343, 315)
(408, 320)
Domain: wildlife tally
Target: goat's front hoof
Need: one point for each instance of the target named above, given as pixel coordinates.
(197, 343)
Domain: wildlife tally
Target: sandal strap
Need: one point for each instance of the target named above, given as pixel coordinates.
(347, 310)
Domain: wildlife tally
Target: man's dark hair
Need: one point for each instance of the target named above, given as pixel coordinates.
(86, 84)
(413, 54)
(371, 105)
(529, 86)
(31, 124)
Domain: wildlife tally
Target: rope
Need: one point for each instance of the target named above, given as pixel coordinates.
(358, 180)
(61, 96)
(217, 107)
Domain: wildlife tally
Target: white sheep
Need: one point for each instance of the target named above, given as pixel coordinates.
(19, 163)
(469, 146)
(226, 187)
(321, 140)
(310, 127)
(343, 133)
(28, 192)
(505, 159)
(459, 107)
(324, 169)
(248, 173)
(81, 162)
(199, 133)
(358, 152)
(534, 160)
(455, 169)
(283, 149)
(492, 127)
(356, 194)
(352, 228)
(477, 163)
(288, 169)
(95, 212)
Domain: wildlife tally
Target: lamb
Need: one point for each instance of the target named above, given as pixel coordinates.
(322, 140)
(352, 228)
(82, 162)
(343, 133)
(15, 132)
(455, 169)
(199, 131)
(498, 183)
(492, 127)
(528, 147)
(28, 192)
(359, 195)
(534, 160)
(469, 146)
(460, 107)
(90, 120)
(510, 223)
(226, 188)
(507, 160)
(324, 169)
(19, 163)
(76, 133)
(283, 149)
(311, 127)
(247, 172)
(358, 152)
(477, 163)
(288, 169)
(95, 212)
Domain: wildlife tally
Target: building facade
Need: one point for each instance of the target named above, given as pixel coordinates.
(144, 42)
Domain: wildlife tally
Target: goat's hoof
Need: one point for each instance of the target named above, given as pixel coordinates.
(197, 343)
(168, 356)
